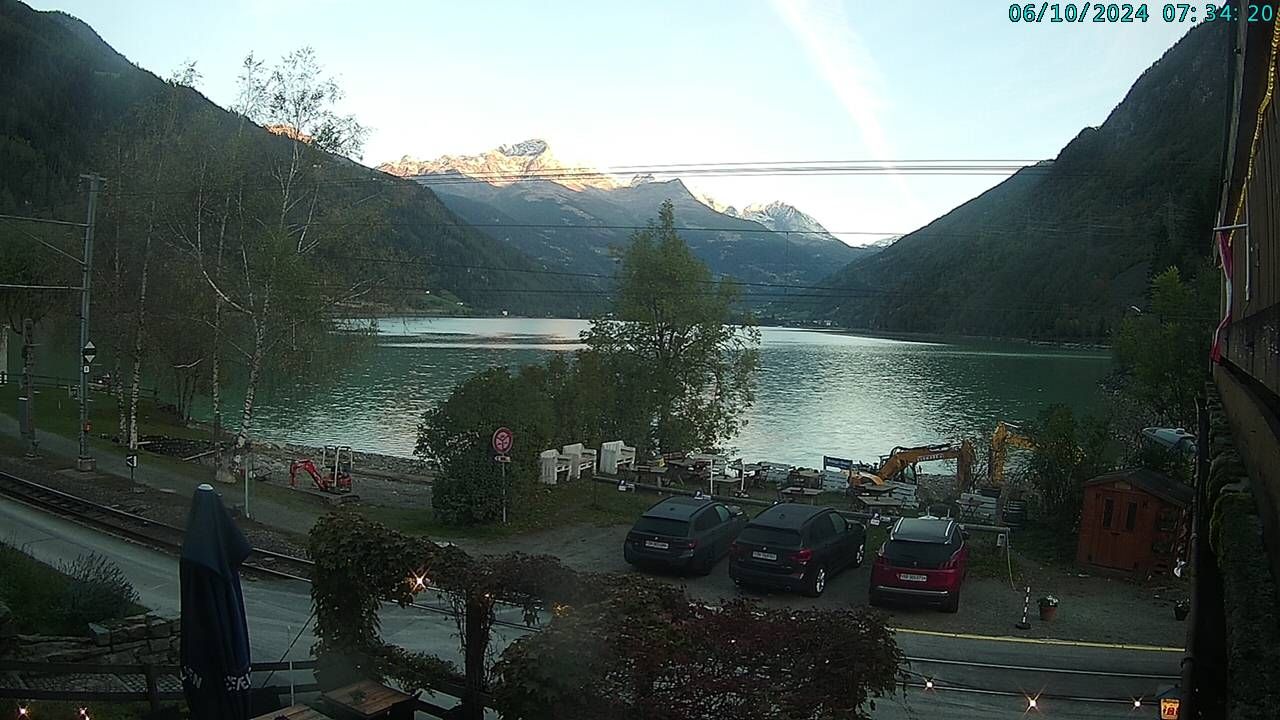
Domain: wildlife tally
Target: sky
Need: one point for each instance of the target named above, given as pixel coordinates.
(663, 82)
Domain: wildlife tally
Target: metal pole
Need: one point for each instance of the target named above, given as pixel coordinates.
(84, 462)
(1026, 607)
(27, 395)
(504, 492)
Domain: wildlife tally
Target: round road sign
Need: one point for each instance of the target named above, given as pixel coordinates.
(502, 440)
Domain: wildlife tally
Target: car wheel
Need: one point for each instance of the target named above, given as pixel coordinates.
(952, 603)
(704, 567)
(817, 583)
(860, 555)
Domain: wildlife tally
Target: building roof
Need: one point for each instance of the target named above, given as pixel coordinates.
(787, 515)
(677, 508)
(1151, 482)
(930, 530)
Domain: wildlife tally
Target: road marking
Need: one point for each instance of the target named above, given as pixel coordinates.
(1039, 641)
(1059, 671)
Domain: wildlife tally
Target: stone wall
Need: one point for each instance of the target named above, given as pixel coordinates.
(135, 640)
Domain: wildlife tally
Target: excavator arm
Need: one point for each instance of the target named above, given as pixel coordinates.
(902, 458)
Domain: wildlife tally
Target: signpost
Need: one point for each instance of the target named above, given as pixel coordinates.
(132, 461)
(502, 441)
(88, 352)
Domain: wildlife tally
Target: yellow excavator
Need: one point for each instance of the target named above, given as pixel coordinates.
(894, 465)
(1003, 436)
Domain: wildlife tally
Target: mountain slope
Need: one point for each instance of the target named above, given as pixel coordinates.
(577, 220)
(1062, 249)
(64, 89)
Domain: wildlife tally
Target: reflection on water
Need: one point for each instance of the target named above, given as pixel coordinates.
(818, 393)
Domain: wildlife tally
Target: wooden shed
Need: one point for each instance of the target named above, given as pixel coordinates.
(1132, 522)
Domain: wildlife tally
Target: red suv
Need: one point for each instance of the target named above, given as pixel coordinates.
(923, 559)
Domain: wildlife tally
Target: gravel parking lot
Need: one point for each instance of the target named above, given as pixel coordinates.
(1092, 608)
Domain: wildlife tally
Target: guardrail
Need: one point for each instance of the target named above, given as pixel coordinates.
(72, 385)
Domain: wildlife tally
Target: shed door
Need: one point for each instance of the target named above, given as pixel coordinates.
(1116, 542)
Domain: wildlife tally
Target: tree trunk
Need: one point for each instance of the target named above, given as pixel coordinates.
(255, 372)
(117, 389)
(475, 647)
(215, 387)
(135, 380)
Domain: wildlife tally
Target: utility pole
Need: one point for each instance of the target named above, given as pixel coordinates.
(27, 394)
(85, 462)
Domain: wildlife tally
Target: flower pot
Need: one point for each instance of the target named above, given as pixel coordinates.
(1047, 612)
(1181, 610)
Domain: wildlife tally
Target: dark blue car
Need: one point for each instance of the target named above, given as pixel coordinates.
(683, 533)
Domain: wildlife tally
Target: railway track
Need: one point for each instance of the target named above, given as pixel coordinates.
(136, 528)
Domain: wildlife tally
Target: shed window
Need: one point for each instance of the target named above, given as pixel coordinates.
(1108, 507)
(1131, 517)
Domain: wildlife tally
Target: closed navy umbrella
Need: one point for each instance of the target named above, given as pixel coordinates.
(215, 637)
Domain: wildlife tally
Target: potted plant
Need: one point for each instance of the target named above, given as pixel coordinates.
(1048, 607)
(1181, 609)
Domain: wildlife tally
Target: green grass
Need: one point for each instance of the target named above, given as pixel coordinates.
(58, 413)
(541, 507)
(1044, 545)
(46, 601)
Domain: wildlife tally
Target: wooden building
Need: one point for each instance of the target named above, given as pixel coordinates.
(1132, 522)
(1232, 662)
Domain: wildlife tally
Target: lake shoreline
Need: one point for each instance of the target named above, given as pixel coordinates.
(949, 338)
(942, 338)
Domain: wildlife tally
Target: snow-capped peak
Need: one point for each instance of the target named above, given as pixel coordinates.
(776, 215)
(530, 160)
(529, 148)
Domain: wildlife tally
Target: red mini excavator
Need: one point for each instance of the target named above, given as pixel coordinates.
(334, 473)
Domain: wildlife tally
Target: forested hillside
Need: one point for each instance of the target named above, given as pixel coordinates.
(72, 104)
(1061, 250)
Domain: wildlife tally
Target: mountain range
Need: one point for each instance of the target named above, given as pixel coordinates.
(1059, 250)
(577, 217)
(1062, 249)
(65, 91)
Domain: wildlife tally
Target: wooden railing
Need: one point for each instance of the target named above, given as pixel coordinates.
(152, 695)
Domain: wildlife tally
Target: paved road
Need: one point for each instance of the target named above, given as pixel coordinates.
(279, 610)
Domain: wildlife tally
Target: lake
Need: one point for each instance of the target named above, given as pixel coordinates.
(817, 392)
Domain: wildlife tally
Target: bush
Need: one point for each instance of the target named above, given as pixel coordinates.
(98, 591)
(63, 600)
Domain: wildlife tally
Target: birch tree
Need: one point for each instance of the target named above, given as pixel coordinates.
(263, 264)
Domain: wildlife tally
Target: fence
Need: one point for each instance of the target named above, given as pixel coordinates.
(152, 674)
(72, 385)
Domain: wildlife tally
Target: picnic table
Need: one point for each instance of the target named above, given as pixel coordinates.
(368, 699)
(872, 502)
(294, 712)
(801, 492)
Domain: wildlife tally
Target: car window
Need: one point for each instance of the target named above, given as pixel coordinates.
(662, 526)
(722, 512)
(821, 530)
(838, 523)
(774, 537)
(705, 521)
(917, 554)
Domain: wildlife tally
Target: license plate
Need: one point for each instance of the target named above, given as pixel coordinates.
(914, 578)
(764, 555)
(656, 545)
